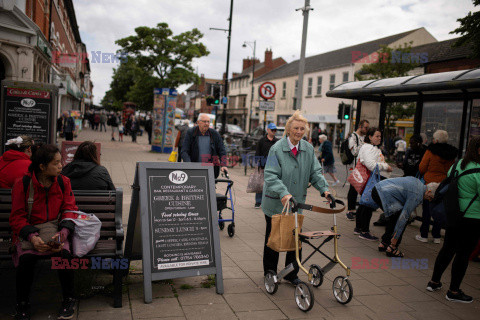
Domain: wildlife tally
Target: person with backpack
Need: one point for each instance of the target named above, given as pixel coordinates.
(438, 158)
(103, 121)
(462, 231)
(354, 143)
(41, 200)
(113, 121)
(15, 161)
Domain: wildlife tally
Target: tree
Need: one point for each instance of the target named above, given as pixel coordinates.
(165, 56)
(470, 31)
(391, 63)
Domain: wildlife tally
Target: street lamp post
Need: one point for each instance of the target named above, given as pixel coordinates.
(253, 78)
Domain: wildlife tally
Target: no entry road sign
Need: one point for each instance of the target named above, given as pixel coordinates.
(267, 90)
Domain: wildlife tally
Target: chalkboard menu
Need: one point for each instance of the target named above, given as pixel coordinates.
(180, 219)
(28, 109)
(175, 205)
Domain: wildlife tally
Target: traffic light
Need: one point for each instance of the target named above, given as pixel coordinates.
(346, 112)
(340, 111)
(216, 94)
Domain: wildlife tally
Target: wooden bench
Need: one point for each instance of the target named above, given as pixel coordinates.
(106, 205)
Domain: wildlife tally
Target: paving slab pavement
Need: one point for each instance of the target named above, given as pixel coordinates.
(378, 293)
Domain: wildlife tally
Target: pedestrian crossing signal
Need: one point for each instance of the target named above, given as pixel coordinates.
(346, 112)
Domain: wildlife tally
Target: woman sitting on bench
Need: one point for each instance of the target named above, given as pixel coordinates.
(39, 202)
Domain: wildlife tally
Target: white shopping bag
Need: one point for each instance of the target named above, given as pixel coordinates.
(86, 234)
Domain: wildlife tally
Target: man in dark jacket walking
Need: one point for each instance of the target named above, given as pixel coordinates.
(261, 154)
(68, 126)
(205, 145)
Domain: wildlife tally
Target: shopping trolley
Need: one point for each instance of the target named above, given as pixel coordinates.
(304, 298)
(222, 204)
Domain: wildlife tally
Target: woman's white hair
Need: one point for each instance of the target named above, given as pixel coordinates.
(322, 137)
(296, 116)
(432, 187)
(441, 136)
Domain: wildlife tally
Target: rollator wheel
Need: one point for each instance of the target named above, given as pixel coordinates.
(270, 285)
(342, 290)
(317, 272)
(221, 224)
(231, 230)
(304, 296)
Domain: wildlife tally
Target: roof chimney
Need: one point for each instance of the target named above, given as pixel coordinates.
(246, 63)
(268, 60)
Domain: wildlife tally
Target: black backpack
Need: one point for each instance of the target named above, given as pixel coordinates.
(445, 206)
(346, 154)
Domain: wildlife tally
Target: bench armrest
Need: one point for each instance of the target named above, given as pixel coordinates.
(119, 232)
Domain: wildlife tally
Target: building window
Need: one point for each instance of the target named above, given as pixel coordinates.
(309, 88)
(284, 89)
(332, 81)
(345, 77)
(296, 88)
(319, 85)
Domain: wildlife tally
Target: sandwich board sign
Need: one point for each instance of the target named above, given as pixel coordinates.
(173, 223)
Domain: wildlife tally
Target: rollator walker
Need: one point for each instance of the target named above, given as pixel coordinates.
(342, 288)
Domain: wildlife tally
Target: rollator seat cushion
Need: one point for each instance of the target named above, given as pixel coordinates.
(317, 234)
(221, 201)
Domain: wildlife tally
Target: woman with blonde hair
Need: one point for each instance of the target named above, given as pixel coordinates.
(15, 161)
(290, 167)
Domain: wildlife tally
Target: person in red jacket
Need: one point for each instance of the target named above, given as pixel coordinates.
(15, 161)
(51, 203)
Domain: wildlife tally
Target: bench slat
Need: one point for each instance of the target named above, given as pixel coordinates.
(100, 215)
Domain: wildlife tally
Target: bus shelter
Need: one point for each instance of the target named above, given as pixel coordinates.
(447, 101)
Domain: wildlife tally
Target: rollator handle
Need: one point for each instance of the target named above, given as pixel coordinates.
(333, 201)
(294, 204)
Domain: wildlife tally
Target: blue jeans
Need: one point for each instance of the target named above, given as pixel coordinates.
(258, 198)
(426, 219)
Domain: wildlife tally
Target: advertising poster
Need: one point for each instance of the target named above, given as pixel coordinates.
(164, 103)
(170, 124)
(158, 111)
(27, 112)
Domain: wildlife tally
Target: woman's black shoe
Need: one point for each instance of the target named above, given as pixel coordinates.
(68, 309)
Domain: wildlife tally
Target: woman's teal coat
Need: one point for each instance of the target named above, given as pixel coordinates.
(286, 174)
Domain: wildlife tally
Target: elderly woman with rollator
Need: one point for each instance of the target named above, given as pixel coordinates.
(290, 167)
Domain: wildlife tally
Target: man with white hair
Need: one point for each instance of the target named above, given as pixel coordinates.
(398, 198)
(205, 145)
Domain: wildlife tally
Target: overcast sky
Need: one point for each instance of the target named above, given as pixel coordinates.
(274, 24)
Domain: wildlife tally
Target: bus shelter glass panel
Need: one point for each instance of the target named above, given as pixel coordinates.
(443, 115)
(475, 119)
